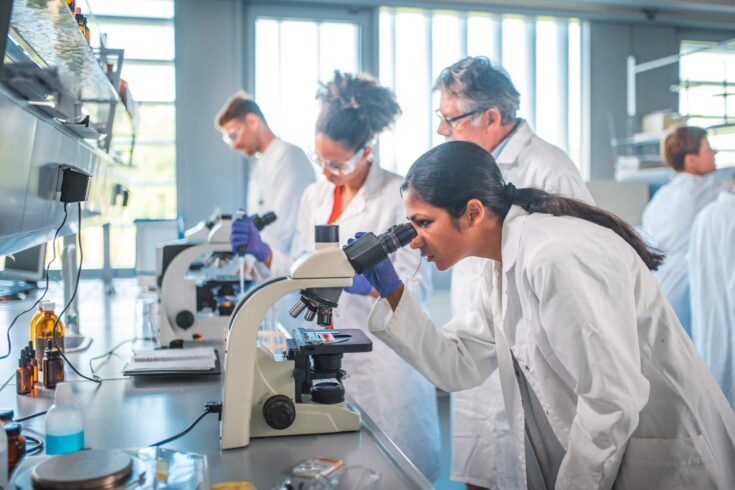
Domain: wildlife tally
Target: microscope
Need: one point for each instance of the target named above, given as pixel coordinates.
(267, 396)
(197, 296)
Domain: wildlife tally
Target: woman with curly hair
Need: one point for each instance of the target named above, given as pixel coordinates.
(358, 195)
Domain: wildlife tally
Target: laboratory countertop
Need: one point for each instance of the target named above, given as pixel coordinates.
(127, 412)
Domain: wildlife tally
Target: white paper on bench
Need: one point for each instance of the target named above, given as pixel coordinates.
(176, 365)
(194, 359)
(195, 353)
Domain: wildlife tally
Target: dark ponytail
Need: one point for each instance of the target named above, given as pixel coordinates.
(451, 174)
(354, 109)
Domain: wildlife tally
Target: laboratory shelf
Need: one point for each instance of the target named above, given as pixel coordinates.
(48, 28)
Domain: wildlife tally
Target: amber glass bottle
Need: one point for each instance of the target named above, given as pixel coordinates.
(36, 316)
(16, 444)
(44, 332)
(53, 368)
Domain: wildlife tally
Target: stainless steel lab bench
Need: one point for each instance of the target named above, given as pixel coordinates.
(135, 412)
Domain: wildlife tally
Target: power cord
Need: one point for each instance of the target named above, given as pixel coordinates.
(29, 417)
(48, 266)
(95, 378)
(36, 448)
(111, 352)
(209, 407)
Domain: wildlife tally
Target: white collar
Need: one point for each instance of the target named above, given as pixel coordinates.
(519, 139)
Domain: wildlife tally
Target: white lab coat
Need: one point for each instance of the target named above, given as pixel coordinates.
(667, 223)
(712, 282)
(396, 396)
(276, 182)
(482, 449)
(626, 394)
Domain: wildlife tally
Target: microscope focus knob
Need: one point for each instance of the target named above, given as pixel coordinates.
(184, 319)
(279, 412)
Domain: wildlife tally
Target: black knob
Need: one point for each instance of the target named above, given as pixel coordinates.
(279, 412)
(328, 393)
(184, 319)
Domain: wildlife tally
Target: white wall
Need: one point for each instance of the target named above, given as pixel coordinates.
(209, 68)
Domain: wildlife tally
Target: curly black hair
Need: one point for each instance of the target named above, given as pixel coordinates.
(355, 108)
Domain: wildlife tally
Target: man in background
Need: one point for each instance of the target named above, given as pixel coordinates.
(278, 177)
(712, 287)
(667, 220)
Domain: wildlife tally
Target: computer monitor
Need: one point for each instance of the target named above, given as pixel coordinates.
(27, 265)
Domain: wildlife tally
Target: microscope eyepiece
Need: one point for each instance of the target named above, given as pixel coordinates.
(397, 236)
(261, 222)
(365, 252)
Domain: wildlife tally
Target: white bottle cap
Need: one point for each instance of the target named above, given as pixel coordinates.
(48, 305)
(64, 394)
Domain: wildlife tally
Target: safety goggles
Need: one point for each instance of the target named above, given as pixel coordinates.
(340, 168)
(231, 136)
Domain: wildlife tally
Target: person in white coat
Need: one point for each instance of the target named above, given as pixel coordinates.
(602, 385)
(279, 176)
(358, 195)
(667, 220)
(478, 103)
(712, 283)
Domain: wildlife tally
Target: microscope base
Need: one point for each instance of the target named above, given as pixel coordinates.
(312, 418)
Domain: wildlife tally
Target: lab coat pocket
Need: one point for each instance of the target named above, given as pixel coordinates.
(682, 463)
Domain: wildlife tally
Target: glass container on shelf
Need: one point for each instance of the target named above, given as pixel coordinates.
(45, 44)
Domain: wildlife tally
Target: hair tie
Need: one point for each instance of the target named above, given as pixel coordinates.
(510, 193)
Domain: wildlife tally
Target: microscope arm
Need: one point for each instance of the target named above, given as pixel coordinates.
(325, 268)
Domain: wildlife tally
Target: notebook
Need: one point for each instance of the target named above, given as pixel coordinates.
(196, 360)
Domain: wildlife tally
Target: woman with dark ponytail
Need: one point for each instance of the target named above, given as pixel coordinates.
(601, 384)
(358, 195)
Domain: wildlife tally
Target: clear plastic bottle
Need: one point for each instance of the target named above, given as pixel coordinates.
(44, 331)
(64, 423)
(4, 460)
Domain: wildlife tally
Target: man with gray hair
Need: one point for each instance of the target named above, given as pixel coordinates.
(478, 103)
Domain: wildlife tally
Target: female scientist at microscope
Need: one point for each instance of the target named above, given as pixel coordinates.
(358, 195)
(602, 386)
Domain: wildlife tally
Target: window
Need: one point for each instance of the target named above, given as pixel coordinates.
(707, 94)
(291, 57)
(145, 30)
(541, 55)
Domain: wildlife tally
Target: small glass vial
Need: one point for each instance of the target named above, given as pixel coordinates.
(53, 367)
(32, 363)
(23, 376)
(16, 444)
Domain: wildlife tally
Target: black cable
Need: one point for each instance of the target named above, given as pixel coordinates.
(2, 387)
(48, 266)
(95, 379)
(29, 417)
(182, 434)
(209, 407)
(36, 448)
(109, 353)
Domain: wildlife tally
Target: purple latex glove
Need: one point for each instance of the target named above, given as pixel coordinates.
(383, 276)
(245, 239)
(360, 286)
